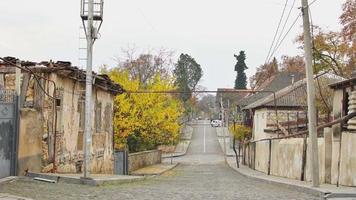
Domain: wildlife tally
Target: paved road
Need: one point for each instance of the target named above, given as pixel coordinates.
(202, 174)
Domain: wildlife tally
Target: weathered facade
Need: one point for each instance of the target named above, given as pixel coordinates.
(342, 141)
(290, 157)
(52, 117)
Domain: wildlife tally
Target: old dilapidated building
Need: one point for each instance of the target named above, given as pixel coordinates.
(51, 120)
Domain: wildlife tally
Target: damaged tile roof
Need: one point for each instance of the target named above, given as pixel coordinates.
(62, 68)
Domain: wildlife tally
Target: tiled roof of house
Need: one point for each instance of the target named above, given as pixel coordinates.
(290, 96)
(276, 83)
(293, 95)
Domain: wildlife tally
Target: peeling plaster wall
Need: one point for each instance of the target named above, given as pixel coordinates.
(36, 146)
(30, 141)
(70, 139)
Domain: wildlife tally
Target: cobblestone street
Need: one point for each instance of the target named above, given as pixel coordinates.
(202, 174)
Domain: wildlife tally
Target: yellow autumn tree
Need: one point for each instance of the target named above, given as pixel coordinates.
(144, 121)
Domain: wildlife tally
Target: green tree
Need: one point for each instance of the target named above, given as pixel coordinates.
(187, 74)
(240, 67)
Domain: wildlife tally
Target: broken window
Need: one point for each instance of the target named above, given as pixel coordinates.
(59, 109)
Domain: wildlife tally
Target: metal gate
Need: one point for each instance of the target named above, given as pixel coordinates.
(121, 163)
(8, 133)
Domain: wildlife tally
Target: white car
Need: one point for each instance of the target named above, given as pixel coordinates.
(216, 123)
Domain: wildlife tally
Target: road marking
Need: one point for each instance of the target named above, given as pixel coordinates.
(204, 141)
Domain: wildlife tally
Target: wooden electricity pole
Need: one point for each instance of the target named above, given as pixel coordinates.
(313, 134)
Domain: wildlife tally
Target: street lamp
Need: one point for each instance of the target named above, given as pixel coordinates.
(91, 12)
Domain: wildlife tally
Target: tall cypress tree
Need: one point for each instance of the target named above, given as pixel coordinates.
(240, 67)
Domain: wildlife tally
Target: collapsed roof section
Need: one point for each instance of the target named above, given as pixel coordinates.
(61, 68)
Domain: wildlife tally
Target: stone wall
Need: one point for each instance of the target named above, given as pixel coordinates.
(143, 159)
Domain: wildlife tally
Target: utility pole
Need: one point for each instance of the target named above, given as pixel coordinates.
(223, 126)
(88, 90)
(313, 134)
(89, 14)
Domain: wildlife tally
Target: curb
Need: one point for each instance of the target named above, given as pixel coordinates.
(178, 154)
(160, 173)
(306, 189)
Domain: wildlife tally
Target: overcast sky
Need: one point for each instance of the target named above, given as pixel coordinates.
(211, 31)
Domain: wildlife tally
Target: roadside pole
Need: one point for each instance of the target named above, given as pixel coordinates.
(88, 91)
(223, 126)
(313, 134)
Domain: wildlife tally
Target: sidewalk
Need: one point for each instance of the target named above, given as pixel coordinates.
(286, 182)
(220, 133)
(183, 145)
(94, 180)
(295, 184)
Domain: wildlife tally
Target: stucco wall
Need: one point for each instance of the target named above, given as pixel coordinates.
(142, 159)
(286, 158)
(30, 141)
(336, 131)
(348, 160)
(259, 124)
(321, 149)
(262, 156)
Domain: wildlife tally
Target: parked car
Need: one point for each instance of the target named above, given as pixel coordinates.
(216, 123)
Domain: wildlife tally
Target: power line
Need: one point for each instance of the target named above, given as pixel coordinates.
(312, 3)
(276, 33)
(285, 36)
(284, 26)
